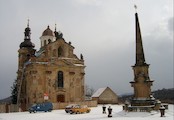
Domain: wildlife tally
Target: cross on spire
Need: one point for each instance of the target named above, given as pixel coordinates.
(28, 22)
(135, 6)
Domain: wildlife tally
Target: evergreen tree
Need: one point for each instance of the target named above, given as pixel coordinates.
(14, 92)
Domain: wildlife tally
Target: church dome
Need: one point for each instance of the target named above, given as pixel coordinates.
(48, 32)
(27, 44)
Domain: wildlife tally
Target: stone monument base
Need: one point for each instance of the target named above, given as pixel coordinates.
(142, 105)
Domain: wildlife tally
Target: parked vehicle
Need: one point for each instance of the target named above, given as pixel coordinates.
(79, 109)
(46, 107)
(69, 107)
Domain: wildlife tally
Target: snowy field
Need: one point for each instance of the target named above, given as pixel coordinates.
(95, 114)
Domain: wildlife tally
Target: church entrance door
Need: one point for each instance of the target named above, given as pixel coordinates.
(60, 98)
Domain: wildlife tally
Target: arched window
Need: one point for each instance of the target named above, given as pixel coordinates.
(60, 79)
(49, 40)
(45, 42)
(60, 52)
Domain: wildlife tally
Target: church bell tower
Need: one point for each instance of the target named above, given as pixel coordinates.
(26, 47)
(25, 52)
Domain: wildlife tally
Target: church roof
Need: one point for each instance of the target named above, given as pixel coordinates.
(99, 92)
(27, 44)
(27, 41)
(48, 32)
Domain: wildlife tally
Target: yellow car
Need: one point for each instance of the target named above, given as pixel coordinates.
(77, 109)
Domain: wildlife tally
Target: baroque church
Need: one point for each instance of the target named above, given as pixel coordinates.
(53, 73)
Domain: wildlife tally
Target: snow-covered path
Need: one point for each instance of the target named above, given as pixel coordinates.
(95, 114)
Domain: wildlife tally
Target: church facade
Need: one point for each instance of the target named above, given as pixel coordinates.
(54, 73)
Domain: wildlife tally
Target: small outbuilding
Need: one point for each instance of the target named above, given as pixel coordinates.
(105, 96)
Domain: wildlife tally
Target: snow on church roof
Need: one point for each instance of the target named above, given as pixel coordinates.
(99, 92)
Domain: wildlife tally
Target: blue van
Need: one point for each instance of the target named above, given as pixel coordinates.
(46, 107)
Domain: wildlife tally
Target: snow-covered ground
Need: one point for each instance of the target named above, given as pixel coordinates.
(95, 114)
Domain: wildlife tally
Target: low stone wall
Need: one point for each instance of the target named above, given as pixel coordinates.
(6, 108)
(64, 104)
(2, 108)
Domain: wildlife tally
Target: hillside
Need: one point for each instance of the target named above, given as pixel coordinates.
(6, 100)
(164, 95)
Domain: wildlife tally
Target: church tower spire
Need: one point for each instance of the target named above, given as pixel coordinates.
(27, 32)
(140, 59)
(28, 23)
(27, 40)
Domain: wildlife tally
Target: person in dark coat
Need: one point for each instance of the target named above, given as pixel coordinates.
(109, 111)
(104, 109)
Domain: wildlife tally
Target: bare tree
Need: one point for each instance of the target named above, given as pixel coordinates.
(89, 91)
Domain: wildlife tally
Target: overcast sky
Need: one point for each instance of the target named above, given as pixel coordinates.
(102, 30)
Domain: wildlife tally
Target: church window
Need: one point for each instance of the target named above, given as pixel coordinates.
(60, 52)
(60, 79)
(49, 40)
(45, 42)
